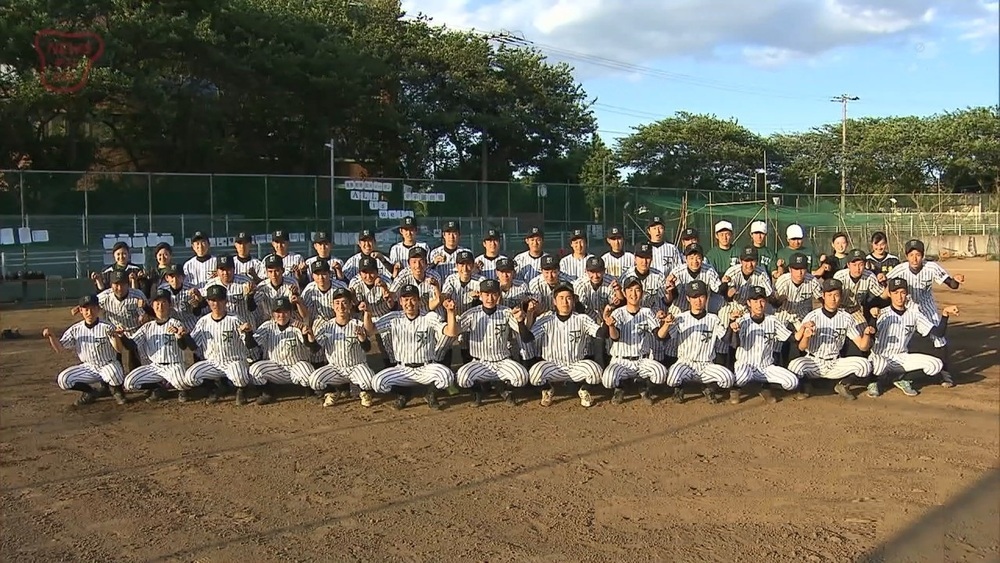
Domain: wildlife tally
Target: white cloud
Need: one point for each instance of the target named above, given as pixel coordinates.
(772, 33)
(983, 30)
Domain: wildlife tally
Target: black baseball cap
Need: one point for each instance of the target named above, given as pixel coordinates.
(694, 248)
(215, 291)
(173, 270)
(118, 276)
(615, 232)
(242, 238)
(898, 283)
(689, 232)
(534, 232)
(366, 234)
(409, 289)
(489, 286)
(798, 260)
(562, 287)
(408, 223)
(575, 234)
(491, 234)
(548, 262)
(643, 250)
(913, 244)
(283, 304)
(367, 264)
(630, 281)
(342, 292)
(450, 226)
(320, 266)
(504, 264)
(756, 292)
(273, 261)
(163, 246)
(198, 235)
(855, 255)
(655, 220)
(279, 236)
(89, 301)
(417, 252)
(595, 264)
(321, 237)
(464, 257)
(832, 284)
(749, 253)
(162, 293)
(224, 262)
(696, 288)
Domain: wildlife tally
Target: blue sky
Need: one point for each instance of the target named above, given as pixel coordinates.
(773, 66)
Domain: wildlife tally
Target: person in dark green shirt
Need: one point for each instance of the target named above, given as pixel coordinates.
(723, 254)
(767, 259)
(795, 239)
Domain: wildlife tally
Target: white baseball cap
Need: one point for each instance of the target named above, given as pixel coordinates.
(794, 231)
(758, 227)
(723, 226)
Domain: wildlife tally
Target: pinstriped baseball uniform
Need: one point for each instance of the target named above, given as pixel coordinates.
(225, 352)
(653, 284)
(563, 342)
(594, 299)
(290, 261)
(244, 266)
(542, 291)
(854, 289)
(461, 293)
(124, 312)
(617, 264)
(666, 257)
(573, 268)
(400, 253)
(236, 303)
(512, 297)
(161, 351)
(353, 265)
(319, 302)
(920, 284)
(198, 270)
(286, 356)
(371, 295)
(697, 338)
(346, 361)
(332, 260)
(488, 266)
(799, 298)
(759, 340)
(528, 266)
(406, 277)
(180, 304)
(489, 334)
(630, 354)
(98, 359)
(742, 282)
(447, 267)
(711, 279)
(822, 358)
(894, 329)
(414, 344)
(267, 294)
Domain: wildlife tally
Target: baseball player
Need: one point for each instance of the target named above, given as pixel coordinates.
(283, 347)
(680, 278)
(417, 274)
(201, 267)
(463, 288)
(515, 295)
(861, 288)
(344, 343)
(161, 343)
(573, 266)
(291, 262)
(617, 260)
(529, 262)
(184, 298)
(366, 248)
(244, 263)
(241, 291)
(723, 255)
(665, 255)
(880, 262)
(892, 363)
(318, 295)
(122, 262)
(630, 329)
(739, 280)
(543, 285)
(414, 336)
(653, 281)
(757, 336)
(486, 263)
(275, 286)
(323, 249)
(442, 258)
(125, 308)
(920, 276)
(767, 259)
(794, 292)
(563, 337)
(697, 333)
(223, 341)
(824, 331)
(98, 345)
(594, 291)
(372, 289)
(488, 329)
(399, 254)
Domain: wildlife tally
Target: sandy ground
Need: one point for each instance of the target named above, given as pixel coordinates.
(887, 479)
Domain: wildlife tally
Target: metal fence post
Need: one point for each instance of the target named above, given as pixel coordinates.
(267, 212)
(183, 228)
(79, 268)
(211, 206)
(149, 197)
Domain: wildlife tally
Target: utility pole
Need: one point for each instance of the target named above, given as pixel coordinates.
(843, 99)
(333, 185)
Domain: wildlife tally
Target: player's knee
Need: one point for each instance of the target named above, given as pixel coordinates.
(934, 366)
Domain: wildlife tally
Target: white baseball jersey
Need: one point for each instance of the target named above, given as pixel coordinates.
(332, 260)
(594, 298)
(248, 266)
(425, 286)
(414, 341)
(920, 284)
(371, 295)
(267, 294)
(653, 286)
(353, 265)
(488, 266)
(528, 266)
(742, 283)
(564, 340)
(220, 340)
(759, 340)
(542, 291)
(446, 268)
(124, 312)
(488, 333)
(180, 304)
(319, 302)
(516, 294)
(198, 270)
(237, 298)
(799, 298)
(400, 253)
(666, 257)
(617, 264)
(696, 337)
(290, 261)
(339, 343)
(461, 292)
(573, 268)
(894, 329)
(855, 289)
(284, 346)
(636, 332)
(711, 279)
(92, 343)
(157, 345)
(831, 333)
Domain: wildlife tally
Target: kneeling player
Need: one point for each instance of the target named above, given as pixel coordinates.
(344, 343)
(757, 338)
(698, 333)
(98, 345)
(286, 356)
(488, 329)
(223, 340)
(892, 364)
(631, 329)
(161, 343)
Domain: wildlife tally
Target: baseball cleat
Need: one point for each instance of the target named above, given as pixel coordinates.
(947, 380)
(182, 396)
(508, 397)
(265, 398)
(401, 401)
(678, 395)
(907, 388)
(709, 395)
(841, 389)
(646, 396)
(768, 396)
(119, 395)
(734, 396)
(431, 399)
(547, 397)
(617, 397)
(477, 398)
(585, 399)
(86, 398)
(241, 396)
(873, 391)
(805, 389)
(329, 399)
(366, 399)
(155, 395)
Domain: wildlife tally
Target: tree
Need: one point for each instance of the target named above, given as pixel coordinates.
(601, 181)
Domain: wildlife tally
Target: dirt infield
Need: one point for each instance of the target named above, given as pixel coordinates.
(893, 478)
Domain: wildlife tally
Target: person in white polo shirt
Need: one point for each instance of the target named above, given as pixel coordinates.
(723, 255)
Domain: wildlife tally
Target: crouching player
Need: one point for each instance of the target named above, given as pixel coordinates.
(697, 333)
(344, 343)
(757, 337)
(631, 329)
(223, 339)
(98, 345)
(286, 356)
(161, 343)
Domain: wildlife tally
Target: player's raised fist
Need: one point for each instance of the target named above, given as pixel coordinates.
(440, 259)
(518, 314)
(361, 334)
(869, 330)
(46, 333)
(874, 311)
(245, 327)
(822, 257)
(606, 315)
(294, 299)
(735, 314)
(950, 310)
(172, 329)
(94, 276)
(479, 264)
(448, 303)
(74, 311)
(671, 280)
(735, 326)
(363, 307)
(725, 279)
(960, 278)
(668, 319)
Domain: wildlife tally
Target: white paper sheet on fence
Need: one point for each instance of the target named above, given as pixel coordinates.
(7, 236)
(24, 235)
(40, 236)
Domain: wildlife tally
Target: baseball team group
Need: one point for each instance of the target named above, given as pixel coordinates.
(739, 318)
